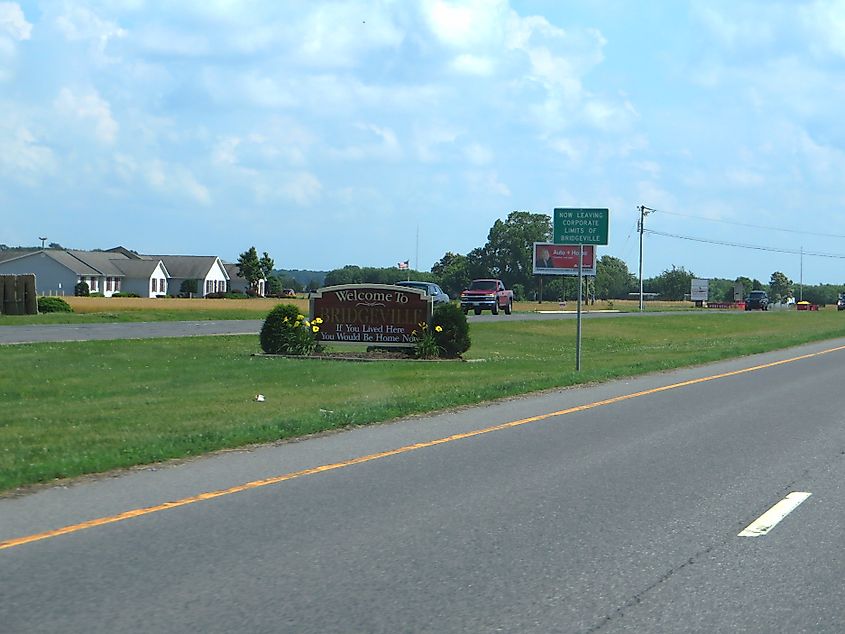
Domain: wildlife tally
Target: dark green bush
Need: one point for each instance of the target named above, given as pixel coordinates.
(122, 294)
(81, 290)
(287, 331)
(96, 295)
(451, 330)
(53, 305)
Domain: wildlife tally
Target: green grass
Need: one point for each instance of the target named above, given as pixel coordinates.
(75, 408)
(130, 316)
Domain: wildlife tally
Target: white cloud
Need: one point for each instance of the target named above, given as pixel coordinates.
(745, 178)
(385, 147)
(478, 154)
(13, 23)
(466, 25)
(22, 155)
(175, 180)
(78, 23)
(473, 65)
(13, 29)
(89, 107)
(487, 182)
(429, 139)
(825, 19)
(302, 188)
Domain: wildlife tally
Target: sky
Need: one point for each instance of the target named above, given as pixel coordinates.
(374, 132)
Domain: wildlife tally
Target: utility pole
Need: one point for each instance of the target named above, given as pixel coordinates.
(644, 211)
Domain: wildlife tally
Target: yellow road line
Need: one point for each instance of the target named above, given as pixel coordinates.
(255, 484)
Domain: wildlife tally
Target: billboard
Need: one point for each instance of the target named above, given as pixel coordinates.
(562, 259)
(699, 290)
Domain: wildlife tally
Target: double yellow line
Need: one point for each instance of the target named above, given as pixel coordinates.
(255, 484)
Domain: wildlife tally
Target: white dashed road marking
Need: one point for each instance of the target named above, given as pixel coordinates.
(768, 520)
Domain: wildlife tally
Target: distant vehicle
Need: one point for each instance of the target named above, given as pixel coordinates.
(487, 295)
(757, 300)
(288, 292)
(430, 288)
(840, 303)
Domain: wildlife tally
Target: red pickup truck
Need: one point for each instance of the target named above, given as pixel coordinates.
(487, 295)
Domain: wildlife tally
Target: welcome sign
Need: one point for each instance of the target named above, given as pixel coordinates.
(372, 314)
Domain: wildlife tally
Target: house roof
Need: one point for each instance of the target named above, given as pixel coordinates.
(232, 269)
(101, 261)
(188, 266)
(139, 268)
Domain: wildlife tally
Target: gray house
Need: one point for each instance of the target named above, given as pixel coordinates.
(239, 284)
(58, 271)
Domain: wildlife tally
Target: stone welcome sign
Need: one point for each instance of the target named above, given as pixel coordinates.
(372, 314)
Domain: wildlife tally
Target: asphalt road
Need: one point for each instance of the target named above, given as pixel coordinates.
(151, 330)
(611, 508)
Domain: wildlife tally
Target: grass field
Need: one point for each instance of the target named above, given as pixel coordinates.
(77, 408)
(125, 309)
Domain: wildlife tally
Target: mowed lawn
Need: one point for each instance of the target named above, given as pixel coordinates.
(75, 408)
(132, 309)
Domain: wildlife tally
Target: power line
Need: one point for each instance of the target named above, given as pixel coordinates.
(752, 226)
(745, 246)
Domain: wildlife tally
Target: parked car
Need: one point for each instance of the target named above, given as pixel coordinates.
(757, 300)
(430, 288)
(840, 303)
(288, 292)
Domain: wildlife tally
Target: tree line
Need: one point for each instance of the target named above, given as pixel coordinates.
(508, 255)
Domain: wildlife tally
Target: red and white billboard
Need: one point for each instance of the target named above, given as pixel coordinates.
(562, 259)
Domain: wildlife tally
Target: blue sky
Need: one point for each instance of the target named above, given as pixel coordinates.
(353, 132)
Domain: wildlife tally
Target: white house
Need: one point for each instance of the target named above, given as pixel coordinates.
(58, 271)
(207, 272)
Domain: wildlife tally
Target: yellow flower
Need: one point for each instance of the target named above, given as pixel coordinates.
(413, 333)
(307, 323)
(438, 328)
(315, 328)
(296, 324)
(319, 320)
(300, 317)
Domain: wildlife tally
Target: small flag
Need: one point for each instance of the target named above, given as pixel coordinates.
(403, 265)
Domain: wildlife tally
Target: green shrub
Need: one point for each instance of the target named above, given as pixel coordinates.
(451, 330)
(426, 346)
(81, 289)
(96, 295)
(122, 294)
(287, 331)
(53, 305)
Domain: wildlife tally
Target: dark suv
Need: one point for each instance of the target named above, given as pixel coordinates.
(840, 303)
(757, 300)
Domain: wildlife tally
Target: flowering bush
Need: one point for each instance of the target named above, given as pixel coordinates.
(448, 337)
(453, 335)
(287, 331)
(426, 346)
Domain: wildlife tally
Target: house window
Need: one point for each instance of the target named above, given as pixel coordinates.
(153, 285)
(117, 284)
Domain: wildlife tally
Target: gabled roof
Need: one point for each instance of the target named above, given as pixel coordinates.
(139, 268)
(101, 261)
(232, 270)
(188, 266)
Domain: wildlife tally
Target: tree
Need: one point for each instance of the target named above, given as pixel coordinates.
(250, 268)
(266, 265)
(672, 284)
(780, 286)
(508, 253)
(613, 280)
(274, 285)
(452, 273)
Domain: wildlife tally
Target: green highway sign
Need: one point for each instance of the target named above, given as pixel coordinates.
(580, 226)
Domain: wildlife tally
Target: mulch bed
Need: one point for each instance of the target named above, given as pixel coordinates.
(370, 355)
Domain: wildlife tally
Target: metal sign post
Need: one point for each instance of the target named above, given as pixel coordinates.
(579, 226)
(578, 327)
